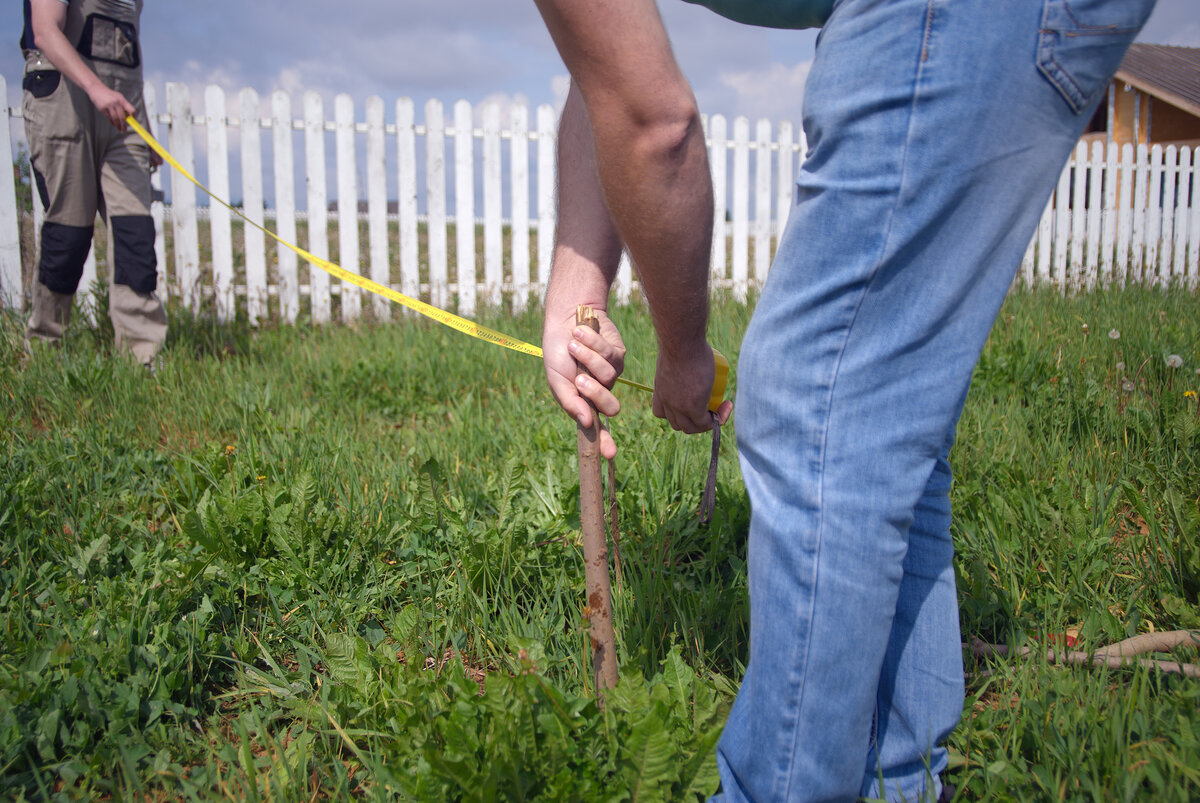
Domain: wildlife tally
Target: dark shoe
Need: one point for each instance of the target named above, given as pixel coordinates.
(948, 793)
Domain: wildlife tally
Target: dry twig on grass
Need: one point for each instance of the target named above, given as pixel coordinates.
(1114, 656)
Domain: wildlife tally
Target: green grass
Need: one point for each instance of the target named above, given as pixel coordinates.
(321, 562)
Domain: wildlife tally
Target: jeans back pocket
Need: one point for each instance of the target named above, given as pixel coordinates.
(1081, 44)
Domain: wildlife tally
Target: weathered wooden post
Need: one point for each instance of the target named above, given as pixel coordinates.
(595, 547)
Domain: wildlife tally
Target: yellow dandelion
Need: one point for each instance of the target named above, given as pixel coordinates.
(1189, 394)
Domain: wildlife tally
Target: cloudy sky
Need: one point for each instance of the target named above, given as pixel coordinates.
(473, 49)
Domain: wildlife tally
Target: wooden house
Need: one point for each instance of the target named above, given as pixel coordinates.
(1154, 99)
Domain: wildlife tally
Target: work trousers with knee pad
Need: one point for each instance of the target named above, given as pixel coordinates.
(82, 166)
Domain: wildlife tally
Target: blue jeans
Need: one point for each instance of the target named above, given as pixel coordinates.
(936, 131)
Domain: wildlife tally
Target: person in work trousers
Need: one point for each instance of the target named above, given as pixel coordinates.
(936, 130)
(83, 75)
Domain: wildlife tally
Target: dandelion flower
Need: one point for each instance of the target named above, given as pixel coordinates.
(1120, 366)
(1127, 385)
(1189, 394)
(1174, 361)
(1085, 328)
(1114, 334)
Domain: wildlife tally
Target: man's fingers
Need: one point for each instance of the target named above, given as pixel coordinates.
(598, 394)
(611, 352)
(608, 447)
(724, 411)
(597, 364)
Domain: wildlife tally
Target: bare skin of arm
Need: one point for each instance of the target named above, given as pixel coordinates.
(644, 181)
(49, 18)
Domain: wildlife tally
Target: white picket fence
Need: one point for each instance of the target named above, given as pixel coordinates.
(1118, 215)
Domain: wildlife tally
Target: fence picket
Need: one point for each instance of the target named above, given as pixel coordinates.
(493, 244)
(1062, 221)
(1138, 212)
(12, 291)
(377, 207)
(347, 203)
(287, 264)
(741, 206)
(762, 200)
(466, 266)
(1154, 215)
(1167, 236)
(406, 204)
(546, 177)
(435, 201)
(624, 283)
(1193, 271)
(1125, 215)
(519, 237)
(318, 214)
(1179, 224)
(219, 219)
(785, 180)
(252, 202)
(1078, 216)
(1043, 265)
(717, 161)
(183, 197)
(1095, 180)
(1108, 238)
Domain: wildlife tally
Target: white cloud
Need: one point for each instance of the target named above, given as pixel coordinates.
(775, 91)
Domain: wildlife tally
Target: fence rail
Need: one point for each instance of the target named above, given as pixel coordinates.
(1118, 214)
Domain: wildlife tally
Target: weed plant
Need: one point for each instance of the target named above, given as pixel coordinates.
(322, 562)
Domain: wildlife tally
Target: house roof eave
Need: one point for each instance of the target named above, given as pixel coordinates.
(1158, 92)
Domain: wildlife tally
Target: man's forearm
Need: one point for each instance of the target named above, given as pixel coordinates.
(587, 248)
(659, 193)
(649, 146)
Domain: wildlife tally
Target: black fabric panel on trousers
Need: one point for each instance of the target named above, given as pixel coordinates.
(133, 252)
(41, 83)
(64, 250)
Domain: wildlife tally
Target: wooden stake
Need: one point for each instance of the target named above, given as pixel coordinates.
(595, 547)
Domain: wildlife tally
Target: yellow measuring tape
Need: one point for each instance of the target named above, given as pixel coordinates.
(463, 325)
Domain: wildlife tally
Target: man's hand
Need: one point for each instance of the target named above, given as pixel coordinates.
(112, 104)
(566, 345)
(683, 384)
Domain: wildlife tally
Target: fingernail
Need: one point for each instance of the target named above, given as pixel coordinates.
(573, 347)
(581, 381)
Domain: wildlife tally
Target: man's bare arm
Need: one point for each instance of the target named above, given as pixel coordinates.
(48, 18)
(653, 170)
(587, 251)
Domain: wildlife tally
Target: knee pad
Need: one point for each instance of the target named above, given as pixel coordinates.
(64, 250)
(133, 252)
